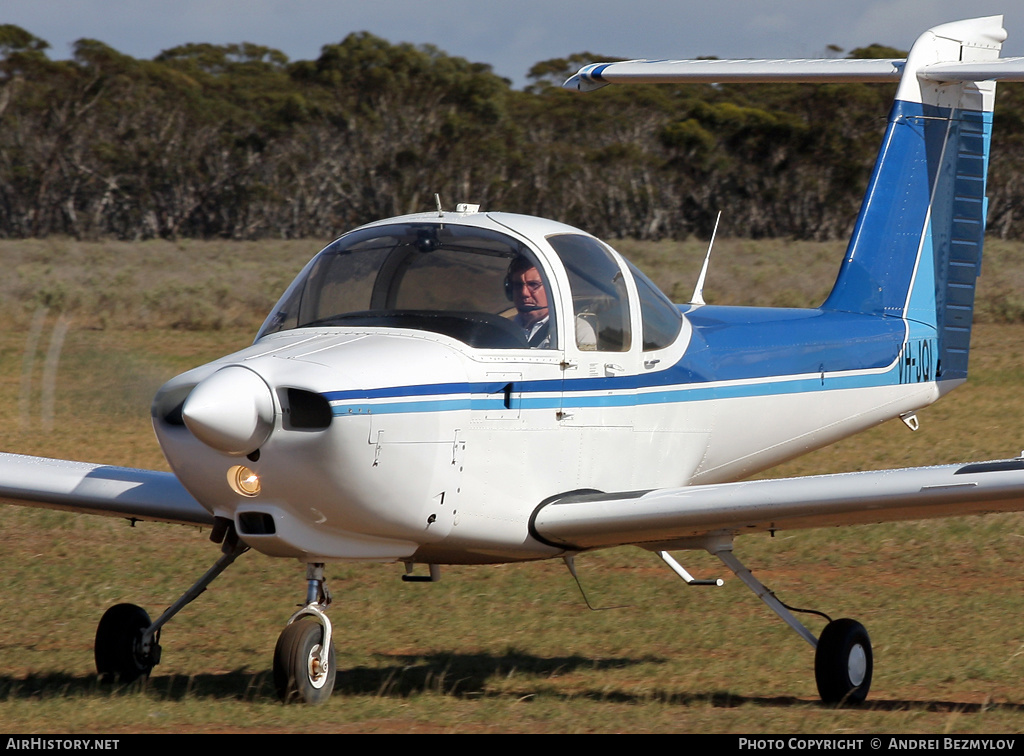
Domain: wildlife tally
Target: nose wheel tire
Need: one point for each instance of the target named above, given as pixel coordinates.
(118, 646)
(303, 673)
(843, 663)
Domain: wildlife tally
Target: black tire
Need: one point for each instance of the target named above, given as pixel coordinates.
(118, 637)
(843, 663)
(296, 657)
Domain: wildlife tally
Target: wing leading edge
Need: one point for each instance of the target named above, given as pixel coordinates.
(98, 489)
(591, 520)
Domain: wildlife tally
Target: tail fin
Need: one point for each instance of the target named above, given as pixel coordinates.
(916, 248)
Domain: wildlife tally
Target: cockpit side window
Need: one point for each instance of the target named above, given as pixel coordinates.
(662, 319)
(443, 278)
(599, 297)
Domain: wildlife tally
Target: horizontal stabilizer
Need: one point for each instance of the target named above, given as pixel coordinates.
(826, 70)
(983, 38)
(1000, 69)
(98, 489)
(586, 521)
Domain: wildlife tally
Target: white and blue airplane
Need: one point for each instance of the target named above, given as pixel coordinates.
(479, 387)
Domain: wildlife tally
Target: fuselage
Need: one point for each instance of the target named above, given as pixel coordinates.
(417, 426)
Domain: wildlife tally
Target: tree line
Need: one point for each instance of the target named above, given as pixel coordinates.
(236, 141)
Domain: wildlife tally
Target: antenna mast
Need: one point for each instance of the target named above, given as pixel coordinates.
(698, 292)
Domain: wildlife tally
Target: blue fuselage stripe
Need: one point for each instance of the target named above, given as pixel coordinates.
(543, 395)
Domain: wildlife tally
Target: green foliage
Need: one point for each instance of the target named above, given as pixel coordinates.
(14, 39)
(877, 51)
(215, 60)
(688, 136)
(235, 141)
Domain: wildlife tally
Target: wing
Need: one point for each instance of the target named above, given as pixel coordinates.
(98, 489)
(586, 521)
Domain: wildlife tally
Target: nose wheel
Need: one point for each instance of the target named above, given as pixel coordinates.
(303, 670)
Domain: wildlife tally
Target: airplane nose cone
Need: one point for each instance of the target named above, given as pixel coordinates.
(231, 411)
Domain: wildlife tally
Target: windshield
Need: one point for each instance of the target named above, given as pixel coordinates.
(442, 278)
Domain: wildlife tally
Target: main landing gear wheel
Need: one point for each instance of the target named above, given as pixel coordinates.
(843, 663)
(300, 671)
(118, 646)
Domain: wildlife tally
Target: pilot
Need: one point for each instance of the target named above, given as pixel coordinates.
(526, 290)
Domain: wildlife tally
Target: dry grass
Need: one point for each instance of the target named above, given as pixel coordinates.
(210, 285)
(185, 285)
(494, 649)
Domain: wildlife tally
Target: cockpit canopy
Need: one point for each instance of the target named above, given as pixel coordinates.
(456, 279)
(442, 278)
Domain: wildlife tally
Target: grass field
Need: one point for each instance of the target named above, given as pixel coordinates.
(488, 649)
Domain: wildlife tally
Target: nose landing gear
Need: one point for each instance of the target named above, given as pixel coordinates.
(304, 666)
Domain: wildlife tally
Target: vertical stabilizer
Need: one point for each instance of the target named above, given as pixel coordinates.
(916, 248)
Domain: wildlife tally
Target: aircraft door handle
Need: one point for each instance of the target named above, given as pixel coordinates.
(610, 368)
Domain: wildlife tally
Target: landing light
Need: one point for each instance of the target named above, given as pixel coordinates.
(243, 481)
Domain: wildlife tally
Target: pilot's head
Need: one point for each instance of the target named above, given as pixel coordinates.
(526, 289)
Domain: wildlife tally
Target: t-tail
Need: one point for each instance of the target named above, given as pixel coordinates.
(916, 248)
